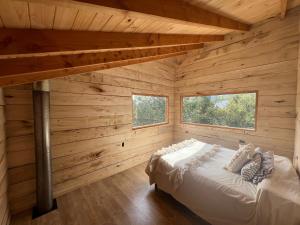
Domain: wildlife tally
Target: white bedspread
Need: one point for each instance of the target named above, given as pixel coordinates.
(224, 198)
(278, 198)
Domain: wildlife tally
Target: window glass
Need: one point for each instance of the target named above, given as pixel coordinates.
(229, 110)
(149, 110)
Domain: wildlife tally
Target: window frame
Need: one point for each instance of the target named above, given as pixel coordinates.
(220, 126)
(156, 124)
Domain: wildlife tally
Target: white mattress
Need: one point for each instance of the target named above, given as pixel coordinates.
(215, 194)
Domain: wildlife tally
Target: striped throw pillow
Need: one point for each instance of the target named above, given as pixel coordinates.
(251, 168)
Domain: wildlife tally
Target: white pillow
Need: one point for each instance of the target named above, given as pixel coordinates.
(240, 158)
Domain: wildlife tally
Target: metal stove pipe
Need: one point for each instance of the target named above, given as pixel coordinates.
(41, 110)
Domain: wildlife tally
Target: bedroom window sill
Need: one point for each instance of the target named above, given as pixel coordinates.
(151, 125)
(220, 127)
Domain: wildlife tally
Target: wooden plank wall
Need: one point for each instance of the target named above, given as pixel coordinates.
(4, 208)
(264, 59)
(297, 133)
(91, 118)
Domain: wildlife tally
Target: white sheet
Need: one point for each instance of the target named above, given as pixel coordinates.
(222, 197)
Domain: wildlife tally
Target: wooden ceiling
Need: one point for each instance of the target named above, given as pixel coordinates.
(72, 15)
(60, 37)
(248, 11)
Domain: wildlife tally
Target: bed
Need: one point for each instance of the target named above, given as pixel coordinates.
(193, 173)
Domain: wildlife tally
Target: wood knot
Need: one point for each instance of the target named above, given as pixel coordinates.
(96, 155)
(280, 101)
(97, 88)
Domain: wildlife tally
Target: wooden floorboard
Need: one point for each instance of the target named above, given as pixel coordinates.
(125, 198)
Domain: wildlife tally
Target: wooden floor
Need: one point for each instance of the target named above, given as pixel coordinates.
(123, 199)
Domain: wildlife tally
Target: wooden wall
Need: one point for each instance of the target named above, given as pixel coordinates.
(4, 209)
(297, 133)
(264, 59)
(91, 117)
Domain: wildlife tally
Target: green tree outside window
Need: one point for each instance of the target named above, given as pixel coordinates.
(148, 110)
(230, 110)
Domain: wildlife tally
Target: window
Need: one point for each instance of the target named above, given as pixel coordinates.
(149, 110)
(226, 110)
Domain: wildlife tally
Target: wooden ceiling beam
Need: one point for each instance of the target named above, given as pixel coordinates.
(14, 42)
(16, 71)
(172, 9)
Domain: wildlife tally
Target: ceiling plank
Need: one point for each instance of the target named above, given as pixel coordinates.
(283, 7)
(14, 42)
(172, 9)
(16, 71)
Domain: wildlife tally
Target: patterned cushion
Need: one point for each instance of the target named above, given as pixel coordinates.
(251, 168)
(240, 158)
(267, 166)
